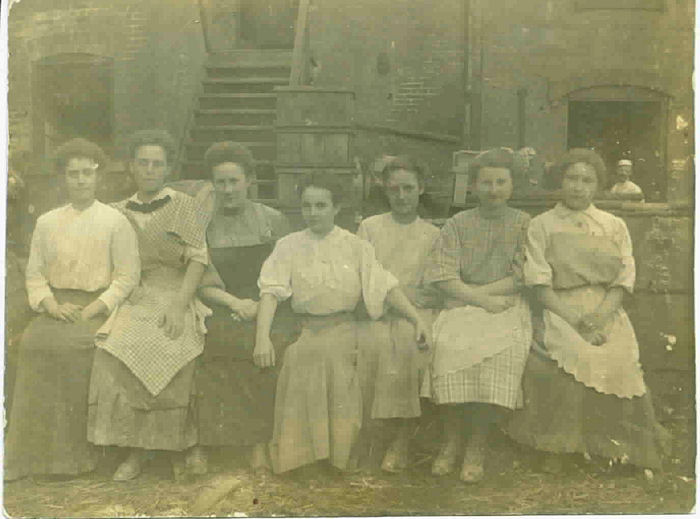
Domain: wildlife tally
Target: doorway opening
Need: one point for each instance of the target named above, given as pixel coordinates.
(623, 122)
(268, 24)
(72, 97)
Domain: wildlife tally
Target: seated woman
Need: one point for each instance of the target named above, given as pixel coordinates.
(235, 398)
(584, 387)
(326, 271)
(141, 392)
(82, 264)
(483, 337)
(391, 363)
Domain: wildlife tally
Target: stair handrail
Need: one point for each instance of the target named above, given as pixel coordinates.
(300, 53)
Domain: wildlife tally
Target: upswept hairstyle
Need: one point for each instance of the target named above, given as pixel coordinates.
(493, 158)
(574, 156)
(229, 151)
(323, 180)
(406, 163)
(76, 148)
(153, 137)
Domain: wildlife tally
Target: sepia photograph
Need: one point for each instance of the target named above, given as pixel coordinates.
(301, 258)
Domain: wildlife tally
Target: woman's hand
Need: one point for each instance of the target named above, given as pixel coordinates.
(264, 353)
(245, 309)
(496, 304)
(173, 320)
(67, 312)
(94, 309)
(592, 327)
(423, 337)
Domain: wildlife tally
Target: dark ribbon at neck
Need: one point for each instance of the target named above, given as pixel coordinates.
(147, 207)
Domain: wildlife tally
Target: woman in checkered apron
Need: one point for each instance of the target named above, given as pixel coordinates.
(325, 271)
(483, 336)
(141, 392)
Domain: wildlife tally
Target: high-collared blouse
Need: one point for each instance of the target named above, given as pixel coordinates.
(88, 250)
(479, 249)
(326, 275)
(592, 222)
(403, 250)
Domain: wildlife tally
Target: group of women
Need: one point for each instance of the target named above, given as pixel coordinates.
(178, 323)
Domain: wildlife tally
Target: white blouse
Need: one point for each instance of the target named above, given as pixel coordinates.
(326, 275)
(85, 250)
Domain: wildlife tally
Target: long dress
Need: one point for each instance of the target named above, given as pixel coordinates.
(235, 398)
(318, 403)
(579, 397)
(142, 386)
(76, 256)
(390, 363)
(479, 356)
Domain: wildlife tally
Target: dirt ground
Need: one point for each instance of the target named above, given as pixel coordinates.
(513, 486)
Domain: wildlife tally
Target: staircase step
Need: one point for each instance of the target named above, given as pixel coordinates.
(234, 132)
(243, 85)
(248, 70)
(251, 57)
(261, 150)
(232, 101)
(215, 117)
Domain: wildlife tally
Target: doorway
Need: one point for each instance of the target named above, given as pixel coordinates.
(268, 24)
(72, 97)
(623, 126)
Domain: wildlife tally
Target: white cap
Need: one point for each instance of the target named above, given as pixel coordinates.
(624, 162)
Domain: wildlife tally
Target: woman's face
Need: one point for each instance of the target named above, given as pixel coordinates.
(81, 180)
(403, 191)
(494, 187)
(579, 185)
(318, 210)
(149, 167)
(231, 184)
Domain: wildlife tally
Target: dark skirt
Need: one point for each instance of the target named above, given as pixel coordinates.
(235, 398)
(47, 432)
(562, 415)
(123, 412)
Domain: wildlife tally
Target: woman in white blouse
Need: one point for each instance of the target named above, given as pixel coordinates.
(82, 264)
(326, 271)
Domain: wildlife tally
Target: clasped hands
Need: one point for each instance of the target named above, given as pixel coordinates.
(591, 327)
(71, 313)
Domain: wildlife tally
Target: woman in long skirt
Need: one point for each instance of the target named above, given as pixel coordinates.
(142, 386)
(82, 264)
(584, 387)
(391, 363)
(235, 398)
(325, 271)
(483, 337)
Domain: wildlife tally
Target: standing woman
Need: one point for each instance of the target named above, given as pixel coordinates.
(391, 362)
(326, 271)
(584, 387)
(235, 398)
(82, 264)
(141, 392)
(483, 337)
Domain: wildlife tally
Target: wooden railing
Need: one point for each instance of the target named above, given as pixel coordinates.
(300, 54)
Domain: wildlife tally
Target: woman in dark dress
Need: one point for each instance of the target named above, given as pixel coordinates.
(234, 396)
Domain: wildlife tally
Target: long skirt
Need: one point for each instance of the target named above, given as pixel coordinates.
(47, 431)
(123, 412)
(562, 415)
(318, 406)
(235, 398)
(391, 366)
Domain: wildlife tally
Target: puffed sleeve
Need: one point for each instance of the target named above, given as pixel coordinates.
(377, 282)
(444, 259)
(198, 254)
(37, 285)
(211, 278)
(536, 270)
(126, 264)
(626, 277)
(362, 232)
(519, 258)
(276, 273)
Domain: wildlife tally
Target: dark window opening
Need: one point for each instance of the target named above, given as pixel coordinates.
(72, 97)
(624, 129)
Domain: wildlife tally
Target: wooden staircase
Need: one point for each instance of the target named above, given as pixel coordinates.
(238, 103)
